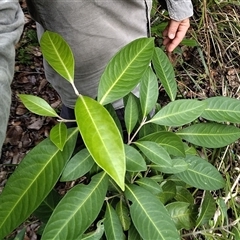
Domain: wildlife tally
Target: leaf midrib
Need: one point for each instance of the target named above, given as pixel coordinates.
(123, 72)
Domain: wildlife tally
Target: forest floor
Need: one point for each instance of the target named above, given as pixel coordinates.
(208, 67)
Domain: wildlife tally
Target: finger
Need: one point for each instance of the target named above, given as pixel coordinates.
(173, 28)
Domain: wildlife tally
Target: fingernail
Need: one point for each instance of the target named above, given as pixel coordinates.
(171, 36)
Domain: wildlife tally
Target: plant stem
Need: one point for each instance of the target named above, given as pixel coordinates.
(140, 126)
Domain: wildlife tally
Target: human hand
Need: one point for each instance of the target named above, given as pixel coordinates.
(174, 33)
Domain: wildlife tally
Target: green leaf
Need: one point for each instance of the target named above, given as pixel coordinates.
(112, 225)
(149, 215)
(148, 91)
(179, 112)
(201, 174)
(189, 42)
(77, 210)
(37, 105)
(133, 233)
(211, 135)
(181, 215)
(96, 235)
(183, 195)
(134, 160)
(150, 185)
(222, 109)
(115, 117)
(236, 232)
(116, 82)
(207, 209)
(58, 54)
(168, 192)
(157, 154)
(131, 113)
(178, 165)
(150, 128)
(46, 208)
(101, 137)
(58, 135)
(78, 166)
(165, 73)
(170, 141)
(123, 214)
(32, 181)
(21, 235)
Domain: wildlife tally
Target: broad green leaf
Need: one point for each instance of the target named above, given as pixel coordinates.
(148, 91)
(133, 233)
(165, 73)
(37, 105)
(181, 215)
(101, 137)
(115, 117)
(177, 181)
(58, 54)
(183, 195)
(170, 141)
(150, 128)
(134, 160)
(20, 235)
(179, 112)
(149, 215)
(112, 225)
(131, 113)
(157, 154)
(189, 42)
(97, 234)
(168, 192)
(78, 166)
(77, 210)
(201, 174)
(32, 181)
(150, 185)
(46, 208)
(58, 135)
(125, 70)
(211, 135)
(207, 209)
(222, 109)
(123, 214)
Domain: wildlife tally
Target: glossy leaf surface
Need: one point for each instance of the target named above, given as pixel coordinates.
(179, 112)
(134, 160)
(123, 214)
(37, 105)
(156, 153)
(170, 141)
(181, 215)
(58, 54)
(112, 225)
(77, 166)
(211, 135)
(222, 109)
(58, 135)
(148, 91)
(201, 174)
(131, 113)
(116, 82)
(38, 172)
(165, 73)
(149, 215)
(77, 210)
(101, 137)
